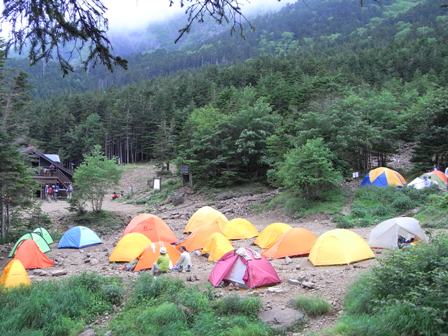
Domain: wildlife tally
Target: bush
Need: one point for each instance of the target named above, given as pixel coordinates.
(372, 205)
(406, 295)
(234, 305)
(312, 306)
(54, 307)
(168, 307)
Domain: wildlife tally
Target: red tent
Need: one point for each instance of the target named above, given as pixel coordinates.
(246, 267)
(31, 256)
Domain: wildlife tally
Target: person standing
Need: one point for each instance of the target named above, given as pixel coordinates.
(55, 192)
(50, 193)
(69, 191)
(46, 192)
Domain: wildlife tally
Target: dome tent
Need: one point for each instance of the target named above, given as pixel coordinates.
(386, 234)
(436, 178)
(246, 267)
(294, 242)
(206, 215)
(270, 234)
(197, 239)
(31, 256)
(216, 246)
(150, 255)
(14, 275)
(79, 237)
(45, 235)
(34, 236)
(130, 247)
(152, 227)
(383, 177)
(339, 247)
(240, 228)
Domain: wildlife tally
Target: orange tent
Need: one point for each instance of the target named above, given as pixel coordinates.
(197, 239)
(294, 242)
(152, 227)
(31, 256)
(152, 253)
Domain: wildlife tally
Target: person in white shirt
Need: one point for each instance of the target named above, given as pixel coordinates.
(184, 263)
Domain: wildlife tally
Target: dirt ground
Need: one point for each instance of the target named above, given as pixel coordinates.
(331, 283)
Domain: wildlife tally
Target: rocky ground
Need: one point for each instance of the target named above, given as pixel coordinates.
(297, 274)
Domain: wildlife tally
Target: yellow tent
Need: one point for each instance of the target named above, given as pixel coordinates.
(14, 275)
(270, 234)
(129, 247)
(206, 215)
(339, 247)
(240, 228)
(216, 246)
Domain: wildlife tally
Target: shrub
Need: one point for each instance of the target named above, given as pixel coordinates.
(233, 305)
(406, 295)
(54, 307)
(312, 306)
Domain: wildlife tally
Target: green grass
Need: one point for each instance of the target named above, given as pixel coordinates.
(56, 308)
(312, 306)
(372, 205)
(156, 198)
(295, 205)
(435, 213)
(165, 307)
(405, 295)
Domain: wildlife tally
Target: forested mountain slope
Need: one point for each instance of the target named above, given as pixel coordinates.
(304, 26)
(327, 77)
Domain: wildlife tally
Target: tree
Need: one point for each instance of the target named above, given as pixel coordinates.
(163, 147)
(62, 28)
(94, 177)
(16, 184)
(308, 169)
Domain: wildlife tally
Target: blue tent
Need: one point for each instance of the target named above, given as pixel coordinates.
(78, 237)
(383, 177)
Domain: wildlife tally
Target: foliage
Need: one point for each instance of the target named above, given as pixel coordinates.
(433, 214)
(102, 222)
(405, 294)
(372, 205)
(308, 170)
(95, 176)
(312, 306)
(61, 307)
(163, 306)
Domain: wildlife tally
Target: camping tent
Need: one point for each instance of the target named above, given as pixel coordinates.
(129, 247)
(152, 253)
(216, 246)
(34, 236)
(270, 234)
(206, 215)
(246, 267)
(31, 256)
(152, 227)
(196, 240)
(14, 275)
(79, 237)
(294, 242)
(385, 234)
(383, 177)
(240, 228)
(339, 247)
(436, 178)
(45, 235)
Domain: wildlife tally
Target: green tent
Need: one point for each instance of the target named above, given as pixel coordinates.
(34, 236)
(45, 235)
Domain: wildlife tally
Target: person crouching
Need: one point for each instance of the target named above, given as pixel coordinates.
(163, 263)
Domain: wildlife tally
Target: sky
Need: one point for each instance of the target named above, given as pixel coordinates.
(135, 14)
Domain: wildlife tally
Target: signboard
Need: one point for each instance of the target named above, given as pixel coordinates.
(157, 183)
(185, 169)
(355, 175)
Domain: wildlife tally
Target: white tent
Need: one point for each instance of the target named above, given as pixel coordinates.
(385, 234)
(417, 183)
